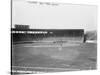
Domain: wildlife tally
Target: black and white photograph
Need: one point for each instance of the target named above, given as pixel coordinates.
(49, 37)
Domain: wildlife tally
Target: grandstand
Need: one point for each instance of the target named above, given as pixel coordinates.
(47, 35)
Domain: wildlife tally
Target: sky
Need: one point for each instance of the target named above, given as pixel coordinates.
(54, 17)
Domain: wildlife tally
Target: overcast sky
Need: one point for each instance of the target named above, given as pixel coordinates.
(54, 17)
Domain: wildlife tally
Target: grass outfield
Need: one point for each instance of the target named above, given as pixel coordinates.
(81, 56)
